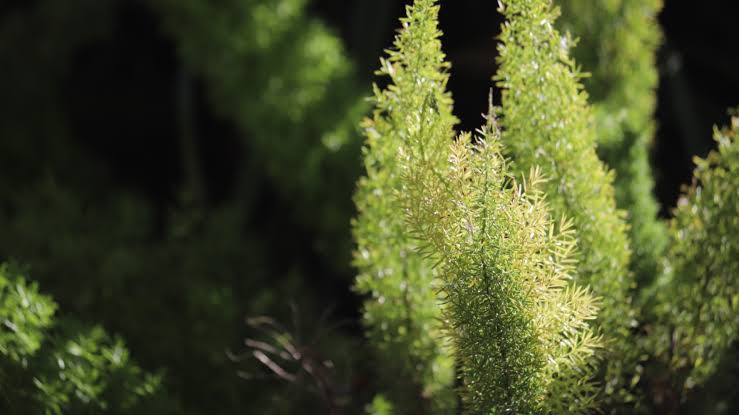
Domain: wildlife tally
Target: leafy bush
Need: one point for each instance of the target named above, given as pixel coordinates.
(56, 367)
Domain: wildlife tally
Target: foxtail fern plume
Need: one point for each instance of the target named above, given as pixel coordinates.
(548, 123)
(521, 330)
(697, 299)
(403, 312)
(617, 44)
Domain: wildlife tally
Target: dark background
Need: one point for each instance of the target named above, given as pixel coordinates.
(119, 93)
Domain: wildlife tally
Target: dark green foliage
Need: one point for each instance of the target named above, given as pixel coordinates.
(58, 367)
(185, 273)
(403, 313)
(189, 288)
(617, 44)
(548, 123)
(285, 80)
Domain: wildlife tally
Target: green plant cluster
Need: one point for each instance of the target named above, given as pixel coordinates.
(521, 331)
(57, 366)
(513, 292)
(496, 269)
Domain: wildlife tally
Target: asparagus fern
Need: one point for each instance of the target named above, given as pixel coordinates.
(548, 123)
(403, 313)
(521, 330)
(696, 301)
(617, 44)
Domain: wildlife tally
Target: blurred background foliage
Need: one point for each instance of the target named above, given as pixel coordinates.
(168, 168)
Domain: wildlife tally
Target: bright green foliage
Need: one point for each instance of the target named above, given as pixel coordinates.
(697, 300)
(520, 329)
(548, 123)
(285, 80)
(61, 369)
(379, 406)
(24, 315)
(90, 372)
(403, 314)
(617, 44)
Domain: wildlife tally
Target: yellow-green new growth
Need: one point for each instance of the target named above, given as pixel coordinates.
(403, 313)
(520, 328)
(697, 300)
(548, 123)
